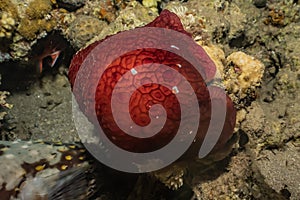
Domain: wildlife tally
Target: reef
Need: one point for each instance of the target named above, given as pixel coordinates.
(7, 25)
(83, 29)
(22, 23)
(3, 106)
(243, 74)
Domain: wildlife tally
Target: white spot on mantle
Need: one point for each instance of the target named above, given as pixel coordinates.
(133, 71)
(175, 47)
(179, 65)
(175, 90)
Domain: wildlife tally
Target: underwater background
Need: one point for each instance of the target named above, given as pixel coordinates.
(254, 45)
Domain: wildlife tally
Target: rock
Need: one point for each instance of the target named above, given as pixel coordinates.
(7, 24)
(83, 29)
(71, 5)
(260, 3)
(243, 73)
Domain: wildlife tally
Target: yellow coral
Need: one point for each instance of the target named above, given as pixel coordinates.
(218, 57)
(31, 20)
(243, 73)
(7, 24)
(38, 9)
(46, 25)
(8, 18)
(83, 29)
(152, 4)
(8, 6)
(29, 28)
(3, 96)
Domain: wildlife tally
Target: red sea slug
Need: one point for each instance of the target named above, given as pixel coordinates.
(151, 93)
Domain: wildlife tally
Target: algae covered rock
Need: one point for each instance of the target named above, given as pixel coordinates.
(243, 73)
(7, 24)
(83, 29)
(132, 16)
(21, 24)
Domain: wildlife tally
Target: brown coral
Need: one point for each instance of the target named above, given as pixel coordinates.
(35, 20)
(275, 17)
(29, 28)
(38, 8)
(83, 29)
(242, 74)
(8, 6)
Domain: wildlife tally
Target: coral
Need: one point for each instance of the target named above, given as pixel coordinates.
(8, 6)
(36, 21)
(219, 21)
(218, 57)
(282, 13)
(152, 4)
(243, 73)
(276, 17)
(37, 9)
(3, 104)
(30, 28)
(107, 10)
(192, 22)
(134, 15)
(8, 20)
(31, 19)
(7, 24)
(20, 48)
(21, 23)
(83, 29)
